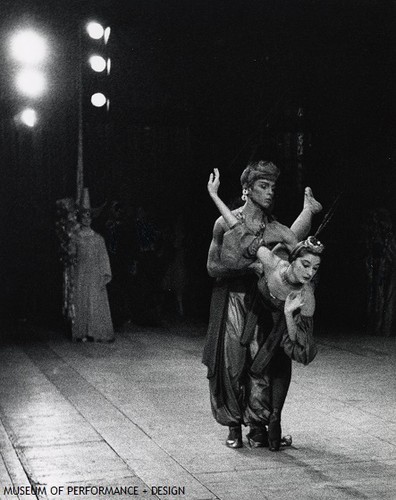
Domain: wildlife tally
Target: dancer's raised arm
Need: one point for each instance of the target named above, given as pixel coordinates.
(213, 187)
(215, 264)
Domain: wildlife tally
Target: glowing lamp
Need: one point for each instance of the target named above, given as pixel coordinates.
(28, 47)
(29, 117)
(106, 34)
(98, 99)
(98, 63)
(95, 30)
(31, 82)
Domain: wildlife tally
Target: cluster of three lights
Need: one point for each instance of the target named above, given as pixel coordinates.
(29, 50)
(97, 62)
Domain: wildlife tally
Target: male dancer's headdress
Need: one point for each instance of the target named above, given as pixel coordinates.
(259, 170)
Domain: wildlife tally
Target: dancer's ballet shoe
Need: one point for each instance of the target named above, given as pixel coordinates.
(234, 439)
(258, 437)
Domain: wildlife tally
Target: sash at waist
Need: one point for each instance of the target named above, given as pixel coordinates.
(238, 283)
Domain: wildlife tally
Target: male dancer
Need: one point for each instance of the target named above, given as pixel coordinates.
(232, 299)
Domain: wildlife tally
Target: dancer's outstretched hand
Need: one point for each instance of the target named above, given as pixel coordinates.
(214, 182)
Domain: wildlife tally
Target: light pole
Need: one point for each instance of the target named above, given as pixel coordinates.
(99, 63)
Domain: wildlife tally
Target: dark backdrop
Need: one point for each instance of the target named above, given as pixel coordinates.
(196, 85)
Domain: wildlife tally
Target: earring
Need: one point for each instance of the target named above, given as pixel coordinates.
(244, 194)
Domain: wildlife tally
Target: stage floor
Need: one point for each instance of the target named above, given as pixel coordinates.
(78, 419)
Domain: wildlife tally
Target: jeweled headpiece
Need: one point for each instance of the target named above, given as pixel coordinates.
(311, 244)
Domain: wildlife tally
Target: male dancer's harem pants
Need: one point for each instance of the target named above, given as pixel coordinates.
(248, 353)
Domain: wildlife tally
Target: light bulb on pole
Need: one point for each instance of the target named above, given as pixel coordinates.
(98, 63)
(95, 30)
(98, 99)
(28, 47)
(31, 82)
(29, 117)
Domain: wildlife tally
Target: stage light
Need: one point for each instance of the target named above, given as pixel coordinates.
(98, 99)
(29, 117)
(108, 65)
(95, 30)
(31, 82)
(98, 63)
(107, 34)
(29, 47)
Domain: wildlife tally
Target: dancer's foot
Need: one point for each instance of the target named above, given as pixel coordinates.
(258, 437)
(274, 430)
(234, 439)
(309, 202)
(80, 339)
(286, 440)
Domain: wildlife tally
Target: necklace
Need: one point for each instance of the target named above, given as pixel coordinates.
(286, 280)
(240, 215)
